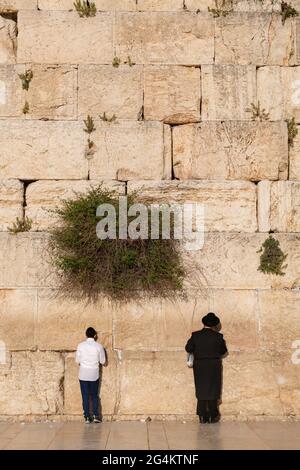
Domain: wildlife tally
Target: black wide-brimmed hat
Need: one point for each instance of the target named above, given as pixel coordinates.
(210, 320)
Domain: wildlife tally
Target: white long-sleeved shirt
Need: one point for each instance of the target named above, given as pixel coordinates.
(88, 355)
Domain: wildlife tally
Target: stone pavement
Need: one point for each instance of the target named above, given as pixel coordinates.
(154, 435)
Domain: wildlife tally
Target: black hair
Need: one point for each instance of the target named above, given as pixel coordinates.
(90, 332)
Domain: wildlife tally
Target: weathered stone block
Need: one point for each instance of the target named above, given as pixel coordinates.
(42, 150)
(14, 5)
(172, 94)
(228, 206)
(11, 93)
(278, 91)
(249, 385)
(287, 376)
(279, 203)
(52, 92)
(230, 260)
(279, 319)
(294, 154)
(8, 41)
(231, 150)
(101, 5)
(164, 373)
(11, 202)
(227, 92)
(263, 205)
(17, 317)
(85, 40)
(237, 310)
(248, 38)
(103, 88)
(165, 38)
(44, 196)
(159, 5)
(61, 322)
(285, 206)
(109, 388)
(24, 261)
(32, 385)
(131, 150)
(158, 325)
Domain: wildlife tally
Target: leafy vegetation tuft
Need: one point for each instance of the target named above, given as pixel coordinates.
(287, 11)
(272, 257)
(26, 79)
(258, 113)
(20, 225)
(120, 269)
(85, 8)
(292, 131)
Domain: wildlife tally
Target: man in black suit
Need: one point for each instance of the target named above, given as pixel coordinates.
(208, 347)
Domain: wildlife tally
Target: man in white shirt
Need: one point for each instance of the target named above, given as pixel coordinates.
(89, 355)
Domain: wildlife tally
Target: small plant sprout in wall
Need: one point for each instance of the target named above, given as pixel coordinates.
(129, 62)
(287, 11)
(272, 257)
(85, 8)
(26, 79)
(20, 225)
(292, 131)
(89, 129)
(25, 109)
(222, 8)
(116, 62)
(105, 118)
(258, 113)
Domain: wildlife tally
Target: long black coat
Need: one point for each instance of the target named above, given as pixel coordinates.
(208, 347)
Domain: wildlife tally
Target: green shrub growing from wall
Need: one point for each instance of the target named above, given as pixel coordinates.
(120, 269)
(272, 257)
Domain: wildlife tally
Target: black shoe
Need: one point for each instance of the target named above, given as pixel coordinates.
(96, 419)
(87, 420)
(203, 420)
(216, 419)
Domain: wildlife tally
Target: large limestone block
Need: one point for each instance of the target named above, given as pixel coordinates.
(131, 150)
(279, 206)
(62, 322)
(109, 386)
(11, 202)
(104, 88)
(227, 92)
(230, 260)
(237, 310)
(14, 5)
(231, 150)
(44, 196)
(294, 154)
(56, 37)
(158, 325)
(279, 322)
(155, 383)
(42, 150)
(24, 261)
(8, 41)
(287, 375)
(228, 206)
(278, 91)
(165, 38)
(248, 38)
(17, 317)
(172, 94)
(52, 92)
(11, 93)
(159, 5)
(249, 385)
(285, 206)
(33, 384)
(101, 5)
(199, 5)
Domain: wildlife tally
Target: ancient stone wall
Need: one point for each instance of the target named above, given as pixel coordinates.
(181, 95)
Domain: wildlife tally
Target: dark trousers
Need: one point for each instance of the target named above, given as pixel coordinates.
(89, 391)
(207, 408)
